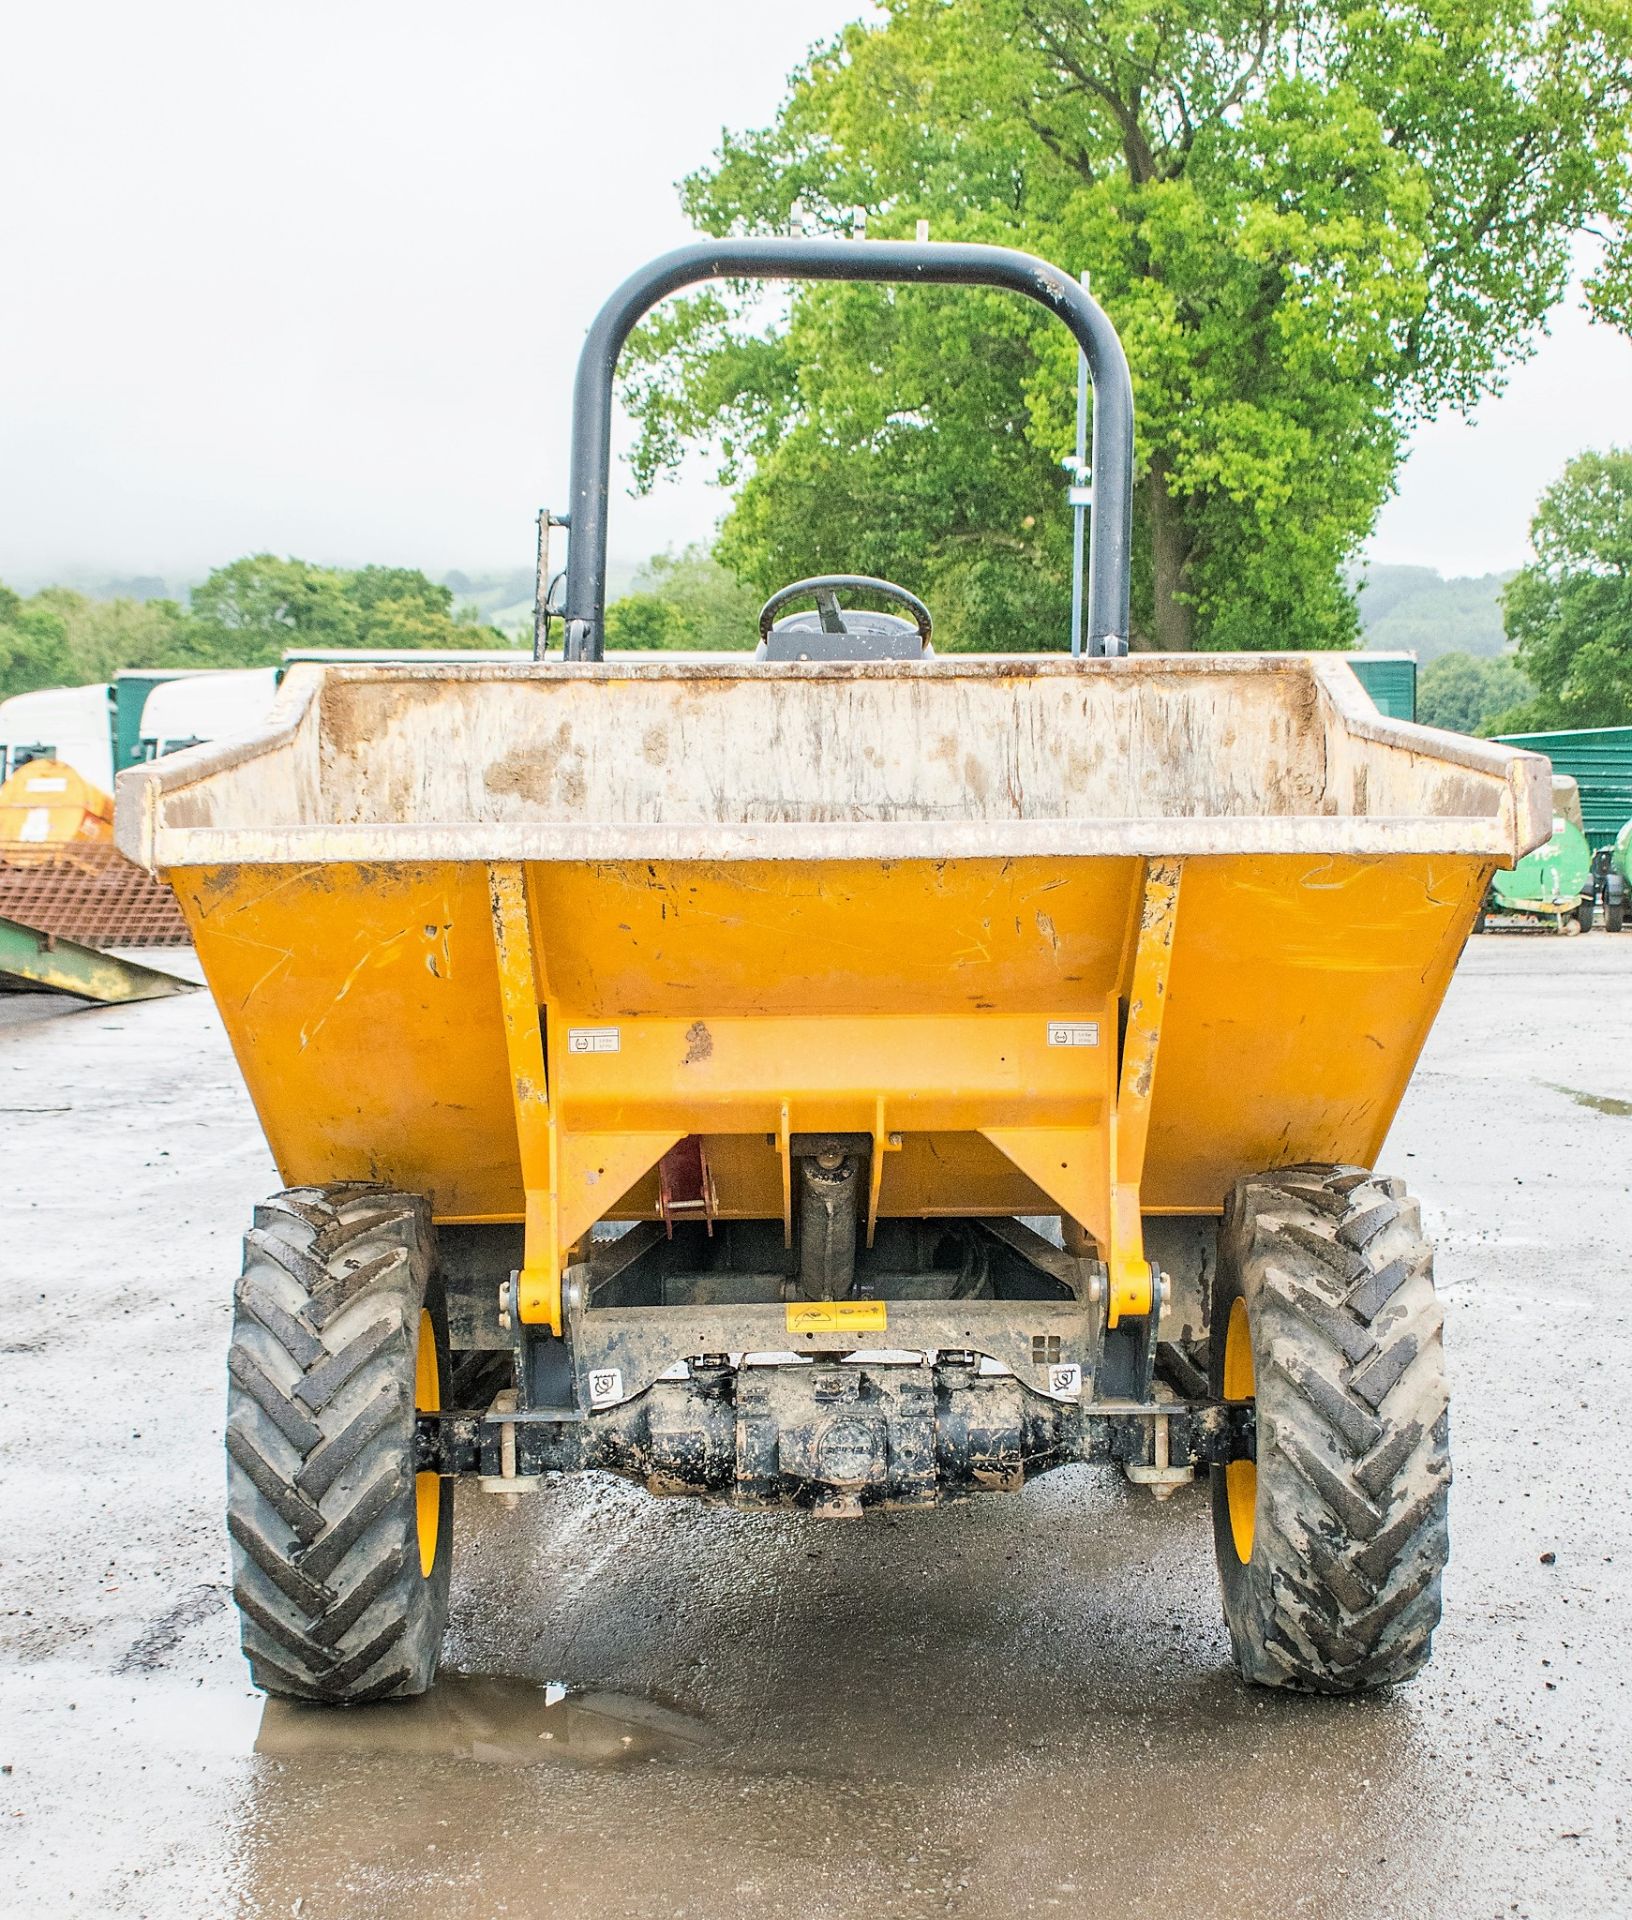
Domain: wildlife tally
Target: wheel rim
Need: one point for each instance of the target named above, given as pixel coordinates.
(1240, 1476)
(427, 1486)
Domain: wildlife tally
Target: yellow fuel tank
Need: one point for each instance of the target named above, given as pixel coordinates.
(46, 807)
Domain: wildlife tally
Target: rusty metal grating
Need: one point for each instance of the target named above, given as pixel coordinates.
(89, 893)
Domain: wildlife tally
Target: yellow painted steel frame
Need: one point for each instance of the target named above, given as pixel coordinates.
(524, 1041)
(521, 999)
(1131, 1279)
(1053, 1108)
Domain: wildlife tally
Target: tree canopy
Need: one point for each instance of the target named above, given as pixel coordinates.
(256, 608)
(1313, 224)
(246, 614)
(684, 600)
(1570, 612)
(1469, 695)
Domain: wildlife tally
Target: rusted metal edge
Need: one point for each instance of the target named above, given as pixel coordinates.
(63, 966)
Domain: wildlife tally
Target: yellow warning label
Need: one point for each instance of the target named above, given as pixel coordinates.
(837, 1316)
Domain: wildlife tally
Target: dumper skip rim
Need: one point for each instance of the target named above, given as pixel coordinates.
(1517, 819)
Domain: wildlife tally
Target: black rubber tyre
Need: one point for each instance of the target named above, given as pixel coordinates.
(1614, 916)
(1584, 914)
(1337, 1587)
(335, 1601)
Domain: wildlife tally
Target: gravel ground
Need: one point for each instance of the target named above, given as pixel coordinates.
(1020, 1706)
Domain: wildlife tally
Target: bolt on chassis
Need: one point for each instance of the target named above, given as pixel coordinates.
(835, 1075)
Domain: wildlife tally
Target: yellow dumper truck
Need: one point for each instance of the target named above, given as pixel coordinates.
(837, 1077)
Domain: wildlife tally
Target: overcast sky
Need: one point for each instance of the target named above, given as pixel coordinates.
(312, 277)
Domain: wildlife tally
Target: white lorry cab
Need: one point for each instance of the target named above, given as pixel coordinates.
(205, 706)
(71, 724)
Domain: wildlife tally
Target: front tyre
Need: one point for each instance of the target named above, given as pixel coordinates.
(341, 1552)
(1330, 1546)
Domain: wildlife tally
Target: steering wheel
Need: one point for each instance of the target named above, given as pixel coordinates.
(827, 587)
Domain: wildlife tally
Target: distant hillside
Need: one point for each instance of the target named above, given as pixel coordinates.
(505, 600)
(1402, 609)
(502, 600)
(1416, 610)
(99, 585)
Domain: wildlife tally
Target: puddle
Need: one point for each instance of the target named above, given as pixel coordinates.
(490, 1718)
(1598, 1102)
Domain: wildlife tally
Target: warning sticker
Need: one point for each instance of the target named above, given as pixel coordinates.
(1073, 1033)
(1065, 1383)
(592, 1040)
(837, 1316)
(605, 1386)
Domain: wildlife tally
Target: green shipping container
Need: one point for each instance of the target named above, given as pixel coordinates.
(1599, 760)
(131, 686)
(1390, 679)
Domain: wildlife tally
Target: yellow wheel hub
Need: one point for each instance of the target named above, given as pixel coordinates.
(427, 1486)
(1240, 1476)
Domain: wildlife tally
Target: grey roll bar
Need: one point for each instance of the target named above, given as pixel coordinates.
(900, 262)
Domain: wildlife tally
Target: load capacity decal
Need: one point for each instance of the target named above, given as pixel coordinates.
(837, 1316)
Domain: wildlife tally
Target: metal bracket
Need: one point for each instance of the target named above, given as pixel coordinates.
(685, 1185)
(538, 1285)
(543, 612)
(1134, 1283)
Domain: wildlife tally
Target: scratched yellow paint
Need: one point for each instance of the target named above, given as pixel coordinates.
(363, 1006)
(1300, 996)
(906, 999)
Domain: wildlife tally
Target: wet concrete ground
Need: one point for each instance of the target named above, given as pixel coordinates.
(1021, 1706)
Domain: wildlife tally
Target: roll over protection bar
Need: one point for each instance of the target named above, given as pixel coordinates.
(898, 262)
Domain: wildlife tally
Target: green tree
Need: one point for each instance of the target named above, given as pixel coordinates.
(399, 607)
(1469, 695)
(246, 613)
(684, 601)
(102, 636)
(1313, 223)
(33, 646)
(60, 638)
(250, 612)
(1570, 612)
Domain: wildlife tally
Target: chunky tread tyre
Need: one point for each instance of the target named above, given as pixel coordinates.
(1341, 1589)
(334, 1601)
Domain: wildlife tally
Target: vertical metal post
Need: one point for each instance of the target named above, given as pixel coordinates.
(1080, 497)
(541, 585)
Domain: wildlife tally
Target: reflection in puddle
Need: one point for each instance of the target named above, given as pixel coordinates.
(488, 1717)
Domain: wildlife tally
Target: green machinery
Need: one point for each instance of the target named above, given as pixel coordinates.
(47, 963)
(1617, 879)
(1599, 761)
(1553, 887)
